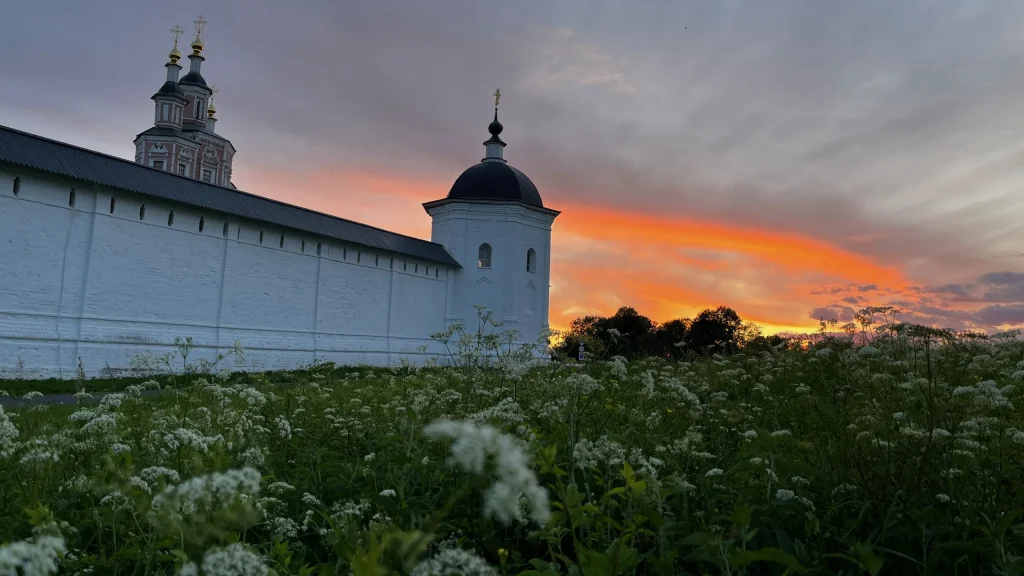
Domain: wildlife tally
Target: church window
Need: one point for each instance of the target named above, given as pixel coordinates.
(318, 247)
(17, 185)
(170, 218)
(261, 236)
(281, 243)
(344, 253)
(142, 212)
(112, 200)
(303, 247)
(359, 256)
(71, 198)
(207, 175)
(484, 256)
(181, 169)
(164, 111)
(405, 266)
(376, 260)
(199, 107)
(201, 225)
(158, 164)
(225, 229)
(426, 271)
(392, 264)
(435, 273)
(417, 269)
(531, 260)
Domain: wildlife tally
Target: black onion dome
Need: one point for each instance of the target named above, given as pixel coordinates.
(170, 88)
(193, 78)
(495, 181)
(495, 127)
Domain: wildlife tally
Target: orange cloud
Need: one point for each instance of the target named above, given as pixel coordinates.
(787, 249)
(602, 258)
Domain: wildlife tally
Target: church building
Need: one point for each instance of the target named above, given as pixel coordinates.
(104, 261)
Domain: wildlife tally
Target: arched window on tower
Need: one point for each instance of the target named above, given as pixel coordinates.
(531, 260)
(484, 260)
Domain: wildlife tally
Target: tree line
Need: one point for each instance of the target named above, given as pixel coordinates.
(632, 335)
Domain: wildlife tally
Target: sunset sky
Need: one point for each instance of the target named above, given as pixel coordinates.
(791, 159)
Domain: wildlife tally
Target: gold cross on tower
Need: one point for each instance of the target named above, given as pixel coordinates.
(200, 23)
(177, 31)
(213, 90)
(497, 98)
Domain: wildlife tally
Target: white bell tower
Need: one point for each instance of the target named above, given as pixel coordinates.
(494, 223)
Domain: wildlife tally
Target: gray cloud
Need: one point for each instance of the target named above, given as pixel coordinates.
(841, 314)
(999, 294)
(886, 129)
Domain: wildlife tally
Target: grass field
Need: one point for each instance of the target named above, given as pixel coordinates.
(905, 456)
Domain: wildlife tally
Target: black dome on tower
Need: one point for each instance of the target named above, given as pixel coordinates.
(193, 78)
(495, 181)
(170, 88)
(493, 178)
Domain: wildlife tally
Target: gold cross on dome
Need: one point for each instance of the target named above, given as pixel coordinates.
(214, 91)
(497, 98)
(200, 24)
(177, 31)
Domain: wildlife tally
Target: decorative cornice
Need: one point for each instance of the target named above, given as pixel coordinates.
(429, 206)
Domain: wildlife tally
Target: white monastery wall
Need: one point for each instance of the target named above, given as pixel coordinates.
(82, 282)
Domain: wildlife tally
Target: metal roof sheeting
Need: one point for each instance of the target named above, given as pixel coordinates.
(31, 151)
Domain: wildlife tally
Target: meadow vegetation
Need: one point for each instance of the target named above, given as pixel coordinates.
(889, 449)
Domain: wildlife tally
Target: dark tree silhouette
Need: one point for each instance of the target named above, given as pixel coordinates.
(715, 331)
(631, 334)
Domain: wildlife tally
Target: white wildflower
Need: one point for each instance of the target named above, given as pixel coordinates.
(32, 557)
(587, 454)
(781, 434)
(387, 493)
(284, 527)
(454, 562)
(472, 444)
(1015, 435)
(280, 488)
(8, 434)
(713, 472)
(153, 473)
(783, 495)
(284, 428)
(206, 495)
(233, 560)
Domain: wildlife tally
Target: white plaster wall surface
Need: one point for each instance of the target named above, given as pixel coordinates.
(80, 282)
(504, 288)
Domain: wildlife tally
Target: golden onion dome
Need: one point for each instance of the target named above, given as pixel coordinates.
(197, 45)
(211, 110)
(174, 55)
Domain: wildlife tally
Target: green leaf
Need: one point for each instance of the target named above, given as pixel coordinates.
(614, 491)
(776, 555)
(868, 559)
(741, 516)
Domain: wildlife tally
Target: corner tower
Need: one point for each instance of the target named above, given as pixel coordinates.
(494, 223)
(182, 139)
